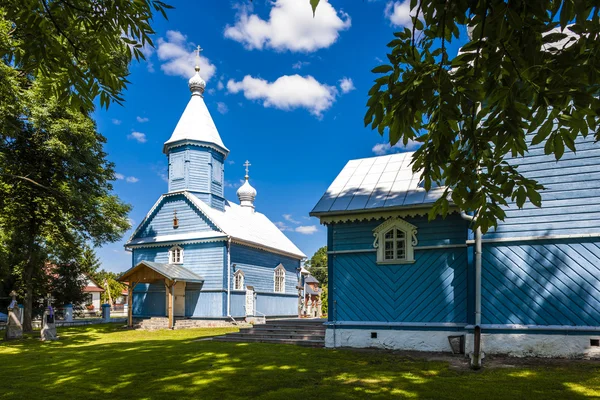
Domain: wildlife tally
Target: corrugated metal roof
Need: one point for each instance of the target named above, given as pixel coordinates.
(376, 182)
(311, 279)
(169, 271)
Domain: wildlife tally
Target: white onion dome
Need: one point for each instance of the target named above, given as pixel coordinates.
(246, 193)
(196, 83)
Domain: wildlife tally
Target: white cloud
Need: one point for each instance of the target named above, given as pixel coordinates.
(139, 136)
(131, 179)
(222, 107)
(179, 58)
(287, 92)
(119, 176)
(142, 119)
(291, 26)
(398, 12)
(116, 121)
(385, 148)
(220, 85)
(282, 226)
(148, 51)
(306, 230)
(289, 218)
(346, 85)
(300, 64)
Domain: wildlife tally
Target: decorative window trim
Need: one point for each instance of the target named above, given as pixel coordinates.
(239, 274)
(410, 237)
(279, 273)
(173, 255)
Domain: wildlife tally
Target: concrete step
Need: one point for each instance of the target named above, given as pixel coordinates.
(291, 326)
(263, 331)
(277, 336)
(251, 339)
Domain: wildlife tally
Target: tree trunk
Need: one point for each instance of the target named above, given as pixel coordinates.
(28, 302)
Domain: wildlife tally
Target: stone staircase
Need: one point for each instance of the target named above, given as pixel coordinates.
(302, 332)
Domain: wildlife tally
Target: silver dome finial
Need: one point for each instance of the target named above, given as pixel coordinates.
(196, 83)
(246, 193)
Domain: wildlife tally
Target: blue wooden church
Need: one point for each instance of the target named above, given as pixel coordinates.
(199, 255)
(529, 287)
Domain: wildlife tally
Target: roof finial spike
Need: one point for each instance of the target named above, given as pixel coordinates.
(197, 51)
(247, 164)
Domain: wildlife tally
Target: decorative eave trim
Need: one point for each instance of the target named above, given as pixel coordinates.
(185, 142)
(375, 215)
(259, 246)
(172, 242)
(535, 238)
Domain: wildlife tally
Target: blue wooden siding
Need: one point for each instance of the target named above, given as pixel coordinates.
(359, 235)
(569, 203)
(542, 283)
(149, 300)
(205, 259)
(277, 305)
(433, 289)
(161, 221)
(238, 303)
(259, 268)
(205, 304)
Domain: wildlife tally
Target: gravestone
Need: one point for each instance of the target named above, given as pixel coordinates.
(48, 322)
(14, 329)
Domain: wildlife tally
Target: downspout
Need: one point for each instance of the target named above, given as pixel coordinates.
(476, 356)
(229, 280)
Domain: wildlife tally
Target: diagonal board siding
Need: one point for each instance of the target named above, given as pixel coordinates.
(433, 289)
(570, 200)
(542, 283)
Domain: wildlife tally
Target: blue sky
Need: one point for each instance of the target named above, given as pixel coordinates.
(286, 91)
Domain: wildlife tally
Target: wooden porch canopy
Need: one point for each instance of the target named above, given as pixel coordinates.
(150, 272)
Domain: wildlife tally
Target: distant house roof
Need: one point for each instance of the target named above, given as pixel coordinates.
(311, 279)
(376, 183)
(172, 272)
(310, 290)
(92, 285)
(251, 228)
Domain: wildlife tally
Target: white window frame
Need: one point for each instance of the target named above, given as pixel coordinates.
(279, 273)
(239, 274)
(410, 241)
(172, 255)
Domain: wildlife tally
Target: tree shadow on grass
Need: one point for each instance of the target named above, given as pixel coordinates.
(107, 362)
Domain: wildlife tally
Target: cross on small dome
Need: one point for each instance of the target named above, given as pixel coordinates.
(196, 83)
(246, 193)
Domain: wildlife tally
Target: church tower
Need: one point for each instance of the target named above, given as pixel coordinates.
(195, 150)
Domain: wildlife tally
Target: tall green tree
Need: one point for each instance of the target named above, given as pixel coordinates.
(70, 202)
(113, 288)
(89, 261)
(527, 67)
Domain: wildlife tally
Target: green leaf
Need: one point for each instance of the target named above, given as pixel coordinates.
(314, 4)
(382, 69)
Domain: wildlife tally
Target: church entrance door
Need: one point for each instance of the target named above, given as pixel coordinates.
(249, 301)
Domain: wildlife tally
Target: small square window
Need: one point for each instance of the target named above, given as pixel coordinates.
(373, 335)
(595, 342)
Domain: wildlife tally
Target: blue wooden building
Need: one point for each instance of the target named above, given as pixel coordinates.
(199, 255)
(398, 280)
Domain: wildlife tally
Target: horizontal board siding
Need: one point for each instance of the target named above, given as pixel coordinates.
(274, 305)
(161, 221)
(542, 283)
(433, 289)
(199, 169)
(359, 235)
(570, 200)
(205, 259)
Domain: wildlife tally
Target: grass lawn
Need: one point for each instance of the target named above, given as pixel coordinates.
(104, 361)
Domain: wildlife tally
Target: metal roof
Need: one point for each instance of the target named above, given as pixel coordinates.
(172, 272)
(311, 279)
(374, 183)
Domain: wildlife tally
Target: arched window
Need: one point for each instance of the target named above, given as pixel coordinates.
(394, 241)
(176, 255)
(238, 280)
(279, 277)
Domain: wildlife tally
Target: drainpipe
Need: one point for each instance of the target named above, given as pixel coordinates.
(229, 280)
(476, 356)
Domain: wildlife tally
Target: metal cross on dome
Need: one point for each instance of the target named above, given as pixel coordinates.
(247, 164)
(197, 51)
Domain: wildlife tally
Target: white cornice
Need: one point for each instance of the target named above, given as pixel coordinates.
(265, 248)
(381, 214)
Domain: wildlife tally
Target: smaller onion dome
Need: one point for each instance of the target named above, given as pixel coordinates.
(196, 83)
(246, 193)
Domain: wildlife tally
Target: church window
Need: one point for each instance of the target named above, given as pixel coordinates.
(217, 171)
(279, 279)
(395, 240)
(176, 255)
(238, 280)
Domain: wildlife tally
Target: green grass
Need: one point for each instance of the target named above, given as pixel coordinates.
(104, 361)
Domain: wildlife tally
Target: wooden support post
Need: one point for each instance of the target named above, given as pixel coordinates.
(170, 304)
(130, 304)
